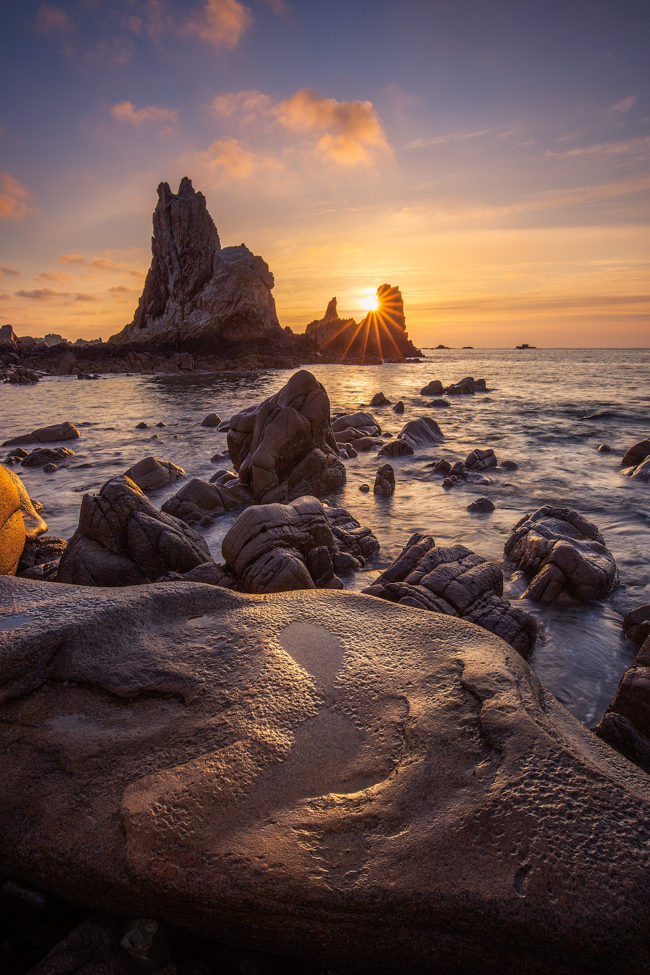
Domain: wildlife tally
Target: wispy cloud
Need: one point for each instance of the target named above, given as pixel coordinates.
(72, 259)
(624, 105)
(53, 20)
(6, 271)
(229, 157)
(165, 118)
(48, 294)
(443, 139)
(350, 133)
(221, 23)
(245, 107)
(15, 199)
(639, 147)
(56, 276)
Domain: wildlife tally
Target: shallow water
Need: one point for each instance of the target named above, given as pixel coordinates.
(534, 413)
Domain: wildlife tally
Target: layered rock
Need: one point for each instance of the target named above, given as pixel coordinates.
(124, 540)
(278, 547)
(457, 582)
(380, 337)
(284, 447)
(198, 295)
(320, 775)
(563, 555)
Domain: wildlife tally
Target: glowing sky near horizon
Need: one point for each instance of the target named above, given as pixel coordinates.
(490, 159)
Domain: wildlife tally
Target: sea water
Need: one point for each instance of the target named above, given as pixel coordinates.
(548, 410)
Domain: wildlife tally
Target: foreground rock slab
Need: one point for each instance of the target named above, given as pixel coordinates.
(324, 775)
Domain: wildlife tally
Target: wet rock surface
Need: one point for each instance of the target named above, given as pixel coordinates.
(58, 431)
(421, 432)
(46, 455)
(124, 540)
(199, 499)
(213, 760)
(284, 447)
(455, 581)
(12, 526)
(563, 555)
(152, 472)
(626, 723)
(385, 481)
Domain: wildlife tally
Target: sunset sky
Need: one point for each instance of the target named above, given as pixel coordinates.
(491, 158)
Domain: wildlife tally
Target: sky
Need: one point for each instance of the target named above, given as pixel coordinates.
(491, 159)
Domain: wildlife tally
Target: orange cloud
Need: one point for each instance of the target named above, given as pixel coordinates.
(229, 157)
(7, 271)
(221, 23)
(59, 276)
(72, 259)
(243, 106)
(351, 132)
(14, 198)
(127, 112)
(51, 20)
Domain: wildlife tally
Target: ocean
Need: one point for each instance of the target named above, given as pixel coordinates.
(546, 409)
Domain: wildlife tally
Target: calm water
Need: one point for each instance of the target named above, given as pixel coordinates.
(533, 414)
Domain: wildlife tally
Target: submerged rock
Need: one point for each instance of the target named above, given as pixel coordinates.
(196, 755)
(284, 447)
(457, 582)
(124, 540)
(563, 555)
(58, 431)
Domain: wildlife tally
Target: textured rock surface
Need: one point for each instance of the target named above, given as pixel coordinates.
(396, 448)
(41, 557)
(641, 472)
(41, 456)
(563, 555)
(284, 447)
(636, 454)
(58, 431)
(384, 481)
(12, 526)
(34, 524)
(197, 294)
(199, 499)
(421, 432)
(278, 547)
(380, 337)
(321, 774)
(151, 473)
(626, 723)
(457, 582)
(124, 540)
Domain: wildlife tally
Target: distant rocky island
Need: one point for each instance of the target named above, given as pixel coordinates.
(208, 307)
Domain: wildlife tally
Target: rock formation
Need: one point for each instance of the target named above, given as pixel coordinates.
(201, 501)
(198, 295)
(152, 472)
(284, 447)
(320, 775)
(58, 431)
(124, 540)
(626, 723)
(563, 555)
(380, 337)
(457, 582)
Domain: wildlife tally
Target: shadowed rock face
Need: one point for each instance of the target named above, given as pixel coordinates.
(563, 555)
(380, 337)
(197, 294)
(626, 723)
(284, 447)
(323, 775)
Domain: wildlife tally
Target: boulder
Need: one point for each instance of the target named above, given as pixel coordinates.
(12, 527)
(124, 540)
(480, 460)
(466, 387)
(319, 775)
(385, 481)
(41, 557)
(34, 524)
(58, 431)
(626, 723)
(198, 294)
(563, 555)
(636, 454)
(399, 407)
(284, 447)
(277, 547)
(211, 420)
(434, 388)
(357, 425)
(379, 400)
(199, 499)
(636, 624)
(481, 506)
(457, 582)
(641, 472)
(41, 456)
(421, 432)
(396, 448)
(151, 473)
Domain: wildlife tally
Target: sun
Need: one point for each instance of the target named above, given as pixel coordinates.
(371, 303)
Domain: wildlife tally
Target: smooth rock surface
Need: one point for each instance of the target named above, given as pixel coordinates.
(284, 447)
(421, 432)
(563, 555)
(58, 431)
(12, 526)
(152, 472)
(34, 524)
(323, 775)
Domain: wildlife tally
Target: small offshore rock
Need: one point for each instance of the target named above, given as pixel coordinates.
(509, 465)
(152, 472)
(481, 460)
(142, 425)
(636, 454)
(42, 456)
(434, 388)
(58, 431)
(636, 624)
(399, 407)
(482, 505)
(604, 448)
(379, 400)
(211, 420)
(385, 481)
(364, 488)
(421, 432)
(396, 448)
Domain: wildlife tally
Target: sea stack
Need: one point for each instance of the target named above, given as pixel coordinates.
(199, 296)
(380, 337)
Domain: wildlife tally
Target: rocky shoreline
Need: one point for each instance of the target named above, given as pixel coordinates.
(351, 781)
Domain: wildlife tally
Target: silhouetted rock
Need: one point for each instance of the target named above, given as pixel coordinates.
(385, 481)
(626, 723)
(421, 432)
(563, 555)
(284, 447)
(380, 337)
(466, 387)
(434, 388)
(457, 582)
(379, 400)
(208, 758)
(199, 499)
(399, 407)
(58, 431)
(481, 506)
(124, 540)
(197, 294)
(636, 454)
(396, 448)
